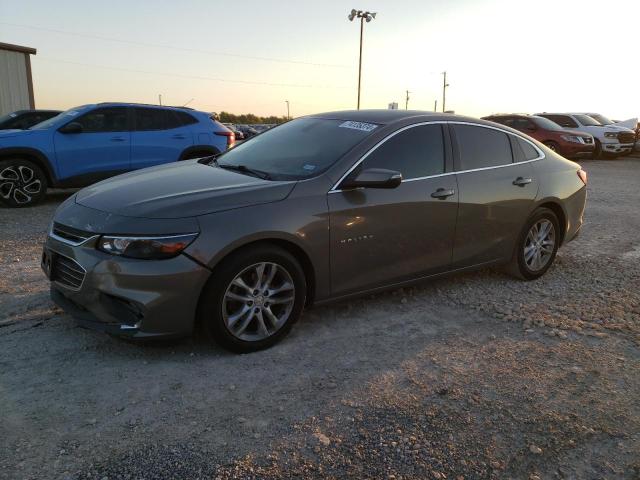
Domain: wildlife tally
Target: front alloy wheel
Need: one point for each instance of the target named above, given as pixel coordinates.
(22, 183)
(258, 302)
(253, 298)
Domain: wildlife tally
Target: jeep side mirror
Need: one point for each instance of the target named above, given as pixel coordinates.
(373, 178)
(71, 127)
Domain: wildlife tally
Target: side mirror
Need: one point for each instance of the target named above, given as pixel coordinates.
(373, 178)
(531, 128)
(71, 127)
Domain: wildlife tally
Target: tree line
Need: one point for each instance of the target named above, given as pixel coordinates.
(248, 118)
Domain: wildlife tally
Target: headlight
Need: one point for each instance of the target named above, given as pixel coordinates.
(147, 248)
(571, 138)
(611, 135)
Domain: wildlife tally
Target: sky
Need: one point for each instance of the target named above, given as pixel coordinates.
(252, 56)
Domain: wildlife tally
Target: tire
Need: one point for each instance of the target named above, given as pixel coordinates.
(225, 298)
(22, 183)
(553, 146)
(522, 265)
(597, 153)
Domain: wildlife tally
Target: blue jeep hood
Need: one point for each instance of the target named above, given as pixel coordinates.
(180, 189)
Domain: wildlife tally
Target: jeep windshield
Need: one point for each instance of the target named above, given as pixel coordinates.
(296, 150)
(66, 115)
(601, 119)
(587, 121)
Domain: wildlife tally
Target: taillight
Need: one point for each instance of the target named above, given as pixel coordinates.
(583, 176)
(231, 138)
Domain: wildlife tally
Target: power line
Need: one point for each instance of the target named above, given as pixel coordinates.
(195, 77)
(174, 47)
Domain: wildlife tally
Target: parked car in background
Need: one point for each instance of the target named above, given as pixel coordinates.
(93, 142)
(610, 140)
(568, 143)
(321, 208)
(24, 119)
(238, 134)
(248, 131)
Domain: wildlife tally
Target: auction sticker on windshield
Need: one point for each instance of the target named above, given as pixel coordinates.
(365, 127)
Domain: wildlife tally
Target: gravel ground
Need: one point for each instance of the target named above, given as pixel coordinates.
(473, 376)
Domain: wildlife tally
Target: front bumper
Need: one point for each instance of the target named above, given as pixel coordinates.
(123, 296)
(617, 147)
(577, 150)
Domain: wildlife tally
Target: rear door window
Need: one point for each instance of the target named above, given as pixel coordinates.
(416, 152)
(481, 147)
(148, 119)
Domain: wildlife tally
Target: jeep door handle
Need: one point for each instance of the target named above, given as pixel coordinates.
(117, 139)
(178, 137)
(521, 181)
(442, 193)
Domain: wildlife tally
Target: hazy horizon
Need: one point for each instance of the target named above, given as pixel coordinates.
(501, 56)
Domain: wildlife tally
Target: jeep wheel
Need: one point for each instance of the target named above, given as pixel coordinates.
(22, 183)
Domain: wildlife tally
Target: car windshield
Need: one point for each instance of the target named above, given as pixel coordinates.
(587, 121)
(601, 119)
(7, 117)
(546, 124)
(72, 112)
(298, 149)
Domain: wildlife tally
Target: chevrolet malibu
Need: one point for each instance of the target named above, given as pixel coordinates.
(321, 208)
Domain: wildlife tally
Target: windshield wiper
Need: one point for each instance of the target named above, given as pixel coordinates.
(245, 169)
(210, 160)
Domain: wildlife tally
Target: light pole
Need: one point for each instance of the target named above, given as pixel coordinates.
(444, 90)
(288, 116)
(362, 15)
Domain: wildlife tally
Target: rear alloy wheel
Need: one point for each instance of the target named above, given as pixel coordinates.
(537, 245)
(253, 299)
(22, 183)
(553, 146)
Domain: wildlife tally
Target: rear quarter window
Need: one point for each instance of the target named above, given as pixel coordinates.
(529, 152)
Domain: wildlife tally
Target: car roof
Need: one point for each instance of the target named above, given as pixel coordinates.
(133, 104)
(385, 117)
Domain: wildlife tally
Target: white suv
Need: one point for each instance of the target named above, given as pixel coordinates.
(610, 139)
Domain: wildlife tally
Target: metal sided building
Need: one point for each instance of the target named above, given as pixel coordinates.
(16, 83)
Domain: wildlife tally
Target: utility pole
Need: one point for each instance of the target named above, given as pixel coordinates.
(288, 116)
(368, 16)
(435, 105)
(444, 91)
(406, 102)
(160, 99)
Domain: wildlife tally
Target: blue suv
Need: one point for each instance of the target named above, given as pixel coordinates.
(93, 142)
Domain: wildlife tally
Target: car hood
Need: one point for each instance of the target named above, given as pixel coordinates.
(14, 133)
(180, 189)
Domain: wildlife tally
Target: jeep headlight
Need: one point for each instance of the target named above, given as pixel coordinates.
(147, 247)
(571, 138)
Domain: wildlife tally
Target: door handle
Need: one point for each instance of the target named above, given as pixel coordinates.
(442, 193)
(521, 181)
(117, 139)
(178, 137)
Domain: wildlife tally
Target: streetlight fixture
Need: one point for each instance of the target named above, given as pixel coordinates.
(363, 16)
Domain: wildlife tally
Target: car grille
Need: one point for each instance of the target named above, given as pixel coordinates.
(69, 234)
(66, 271)
(626, 137)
